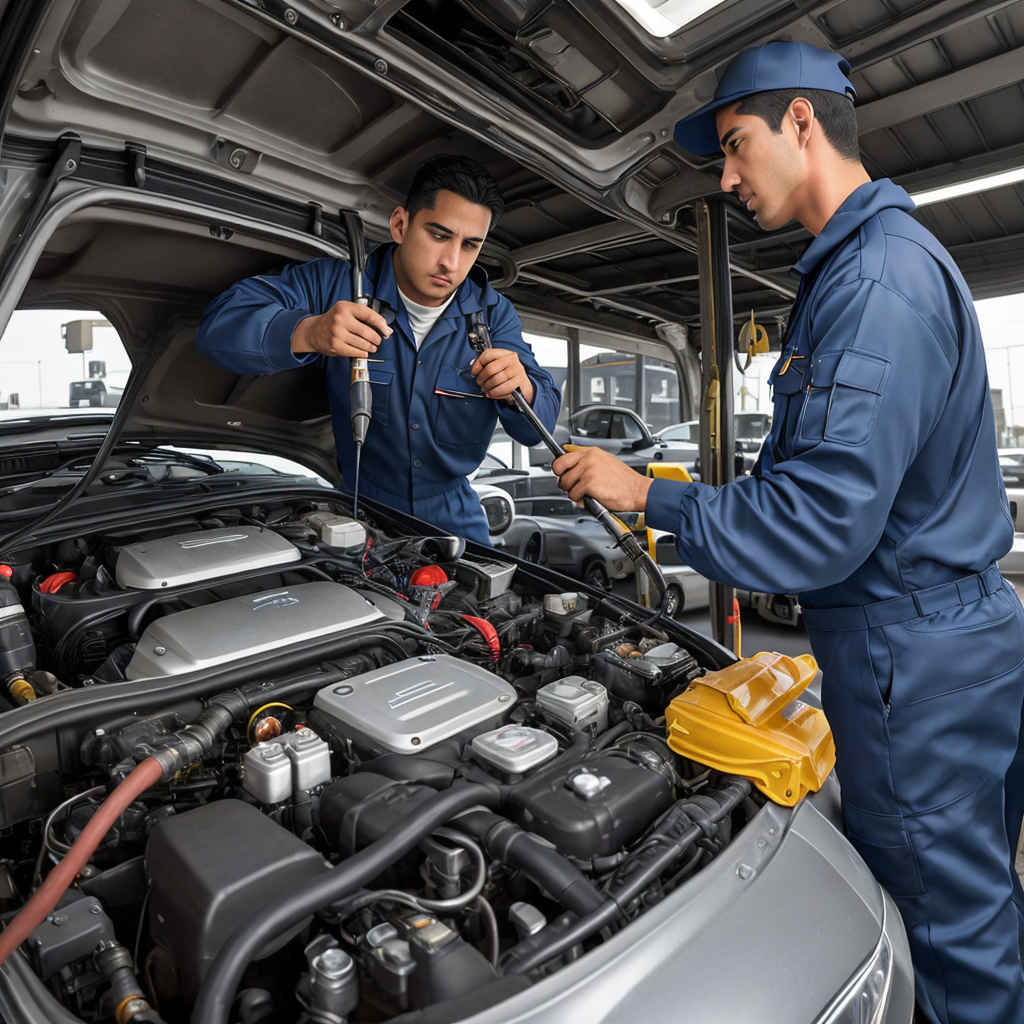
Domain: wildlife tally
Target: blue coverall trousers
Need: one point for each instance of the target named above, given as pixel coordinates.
(923, 694)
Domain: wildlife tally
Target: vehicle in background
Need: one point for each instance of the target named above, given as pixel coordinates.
(520, 483)
(92, 392)
(1011, 463)
(554, 531)
(689, 590)
(623, 433)
(750, 430)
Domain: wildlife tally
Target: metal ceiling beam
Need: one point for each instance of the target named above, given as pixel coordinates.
(927, 23)
(588, 240)
(1006, 159)
(976, 80)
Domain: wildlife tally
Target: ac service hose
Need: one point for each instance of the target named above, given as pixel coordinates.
(174, 753)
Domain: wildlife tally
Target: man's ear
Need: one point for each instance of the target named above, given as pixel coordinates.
(399, 223)
(801, 115)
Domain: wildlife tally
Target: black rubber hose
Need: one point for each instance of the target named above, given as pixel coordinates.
(508, 843)
(268, 922)
(411, 769)
(538, 948)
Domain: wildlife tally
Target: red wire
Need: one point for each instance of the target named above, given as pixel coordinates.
(490, 634)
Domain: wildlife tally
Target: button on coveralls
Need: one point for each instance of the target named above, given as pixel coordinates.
(431, 423)
(878, 499)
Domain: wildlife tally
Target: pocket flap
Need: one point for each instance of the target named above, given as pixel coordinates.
(457, 380)
(380, 376)
(862, 370)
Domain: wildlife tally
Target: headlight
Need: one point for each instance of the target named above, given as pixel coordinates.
(866, 996)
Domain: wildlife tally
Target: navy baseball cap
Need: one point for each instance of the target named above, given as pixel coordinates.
(775, 65)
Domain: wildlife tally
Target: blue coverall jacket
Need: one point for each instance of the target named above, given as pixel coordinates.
(431, 423)
(878, 499)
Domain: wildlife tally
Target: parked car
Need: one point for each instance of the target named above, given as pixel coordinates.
(1011, 463)
(623, 433)
(93, 392)
(554, 531)
(278, 767)
(750, 432)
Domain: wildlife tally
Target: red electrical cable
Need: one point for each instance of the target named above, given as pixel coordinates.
(45, 898)
(490, 634)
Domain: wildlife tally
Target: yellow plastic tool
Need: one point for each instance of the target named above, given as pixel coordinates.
(753, 341)
(745, 720)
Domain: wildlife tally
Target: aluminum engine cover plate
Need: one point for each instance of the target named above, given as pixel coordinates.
(409, 706)
(202, 555)
(243, 626)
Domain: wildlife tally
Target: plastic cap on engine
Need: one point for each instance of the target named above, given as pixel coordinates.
(428, 576)
(6, 571)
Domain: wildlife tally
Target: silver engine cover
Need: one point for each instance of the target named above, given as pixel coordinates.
(409, 706)
(243, 626)
(203, 555)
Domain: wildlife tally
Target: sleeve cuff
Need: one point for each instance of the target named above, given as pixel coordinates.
(663, 499)
(277, 342)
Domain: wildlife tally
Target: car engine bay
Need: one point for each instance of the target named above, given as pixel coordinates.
(394, 779)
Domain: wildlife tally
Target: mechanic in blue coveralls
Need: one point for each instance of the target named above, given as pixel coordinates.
(435, 402)
(877, 499)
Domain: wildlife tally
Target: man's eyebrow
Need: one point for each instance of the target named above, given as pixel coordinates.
(448, 231)
(729, 134)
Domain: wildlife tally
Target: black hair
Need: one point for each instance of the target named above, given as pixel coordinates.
(833, 111)
(458, 174)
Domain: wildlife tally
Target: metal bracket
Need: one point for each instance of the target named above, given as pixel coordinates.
(136, 155)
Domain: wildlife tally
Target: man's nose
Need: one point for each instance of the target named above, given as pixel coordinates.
(451, 254)
(730, 179)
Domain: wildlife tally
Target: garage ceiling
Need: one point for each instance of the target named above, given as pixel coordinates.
(571, 105)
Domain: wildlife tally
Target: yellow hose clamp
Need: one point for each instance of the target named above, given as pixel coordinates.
(745, 720)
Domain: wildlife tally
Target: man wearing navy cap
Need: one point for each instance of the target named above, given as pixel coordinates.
(878, 499)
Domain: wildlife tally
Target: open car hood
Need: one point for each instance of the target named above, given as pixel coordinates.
(249, 123)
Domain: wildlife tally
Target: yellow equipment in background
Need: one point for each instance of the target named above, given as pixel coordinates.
(753, 341)
(745, 720)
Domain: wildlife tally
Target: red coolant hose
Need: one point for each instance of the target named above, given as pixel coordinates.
(45, 898)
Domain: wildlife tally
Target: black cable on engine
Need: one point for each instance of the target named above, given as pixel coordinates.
(266, 923)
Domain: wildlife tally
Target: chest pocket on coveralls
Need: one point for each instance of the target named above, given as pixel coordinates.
(463, 414)
(380, 392)
(842, 400)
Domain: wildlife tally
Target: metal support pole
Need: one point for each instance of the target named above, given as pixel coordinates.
(717, 441)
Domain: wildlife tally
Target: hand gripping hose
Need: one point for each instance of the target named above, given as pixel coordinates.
(480, 340)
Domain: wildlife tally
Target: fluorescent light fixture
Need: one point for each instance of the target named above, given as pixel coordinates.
(663, 17)
(968, 188)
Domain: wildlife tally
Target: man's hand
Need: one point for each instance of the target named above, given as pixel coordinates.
(499, 372)
(346, 329)
(593, 471)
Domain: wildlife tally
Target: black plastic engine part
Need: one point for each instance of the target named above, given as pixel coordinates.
(357, 810)
(595, 808)
(69, 934)
(208, 870)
